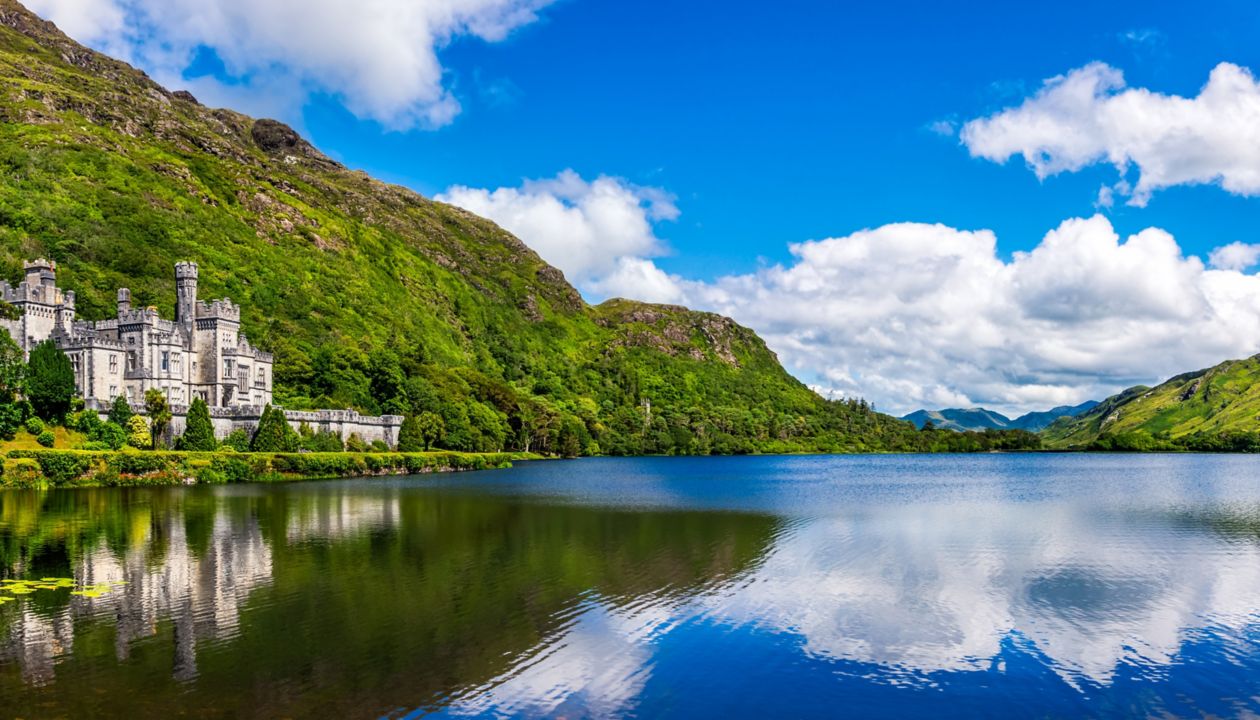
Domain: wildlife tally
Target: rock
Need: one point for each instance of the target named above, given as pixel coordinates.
(273, 136)
(185, 96)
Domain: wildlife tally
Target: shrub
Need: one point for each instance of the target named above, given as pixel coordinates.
(95, 445)
(138, 432)
(111, 435)
(379, 446)
(120, 411)
(237, 441)
(46, 438)
(354, 443)
(34, 426)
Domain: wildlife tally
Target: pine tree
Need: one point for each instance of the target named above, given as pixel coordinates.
(120, 411)
(199, 431)
(273, 433)
(50, 381)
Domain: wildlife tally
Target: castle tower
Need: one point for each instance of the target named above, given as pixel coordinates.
(124, 301)
(185, 292)
(41, 273)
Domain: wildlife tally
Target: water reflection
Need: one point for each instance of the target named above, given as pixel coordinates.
(329, 599)
(1059, 587)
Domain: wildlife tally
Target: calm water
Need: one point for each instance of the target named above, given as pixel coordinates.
(1004, 586)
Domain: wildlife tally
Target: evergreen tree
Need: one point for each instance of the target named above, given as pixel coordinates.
(159, 414)
(49, 381)
(12, 369)
(199, 432)
(273, 433)
(120, 411)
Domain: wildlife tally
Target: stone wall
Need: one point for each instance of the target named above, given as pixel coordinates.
(245, 417)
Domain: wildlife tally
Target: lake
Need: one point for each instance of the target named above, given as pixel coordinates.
(865, 586)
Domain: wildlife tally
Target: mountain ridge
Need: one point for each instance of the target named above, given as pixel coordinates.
(972, 419)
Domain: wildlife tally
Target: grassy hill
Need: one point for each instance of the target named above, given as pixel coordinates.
(370, 295)
(1219, 406)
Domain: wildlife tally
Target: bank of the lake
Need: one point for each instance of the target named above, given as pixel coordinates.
(133, 468)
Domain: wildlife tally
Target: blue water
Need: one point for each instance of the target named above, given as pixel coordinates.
(919, 586)
(1025, 586)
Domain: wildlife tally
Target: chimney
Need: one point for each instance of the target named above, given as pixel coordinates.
(124, 301)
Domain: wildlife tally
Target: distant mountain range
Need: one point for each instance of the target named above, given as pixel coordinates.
(963, 419)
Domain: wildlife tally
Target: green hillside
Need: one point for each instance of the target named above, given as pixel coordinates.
(1217, 408)
(370, 295)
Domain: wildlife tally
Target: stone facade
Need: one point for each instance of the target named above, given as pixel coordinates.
(201, 353)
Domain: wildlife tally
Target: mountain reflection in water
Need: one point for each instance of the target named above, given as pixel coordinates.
(878, 586)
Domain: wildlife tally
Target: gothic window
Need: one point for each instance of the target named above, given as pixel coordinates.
(166, 360)
(131, 360)
(113, 391)
(113, 363)
(227, 369)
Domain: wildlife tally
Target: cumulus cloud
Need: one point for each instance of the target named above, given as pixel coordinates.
(1235, 256)
(379, 56)
(1090, 116)
(599, 232)
(913, 315)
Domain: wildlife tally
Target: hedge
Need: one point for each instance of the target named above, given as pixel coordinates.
(96, 468)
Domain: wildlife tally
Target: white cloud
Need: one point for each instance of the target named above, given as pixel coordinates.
(1090, 116)
(598, 232)
(967, 579)
(378, 56)
(1235, 256)
(912, 315)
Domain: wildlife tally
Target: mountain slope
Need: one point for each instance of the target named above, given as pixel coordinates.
(1037, 421)
(959, 419)
(1217, 401)
(962, 420)
(370, 295)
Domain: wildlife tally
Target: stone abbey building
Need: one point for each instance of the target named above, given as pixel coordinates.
(201, 353)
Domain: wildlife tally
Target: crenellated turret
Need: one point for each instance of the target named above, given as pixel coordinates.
(124, 301)
(185, 293)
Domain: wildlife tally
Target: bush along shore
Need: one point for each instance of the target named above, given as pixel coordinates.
(86, 468)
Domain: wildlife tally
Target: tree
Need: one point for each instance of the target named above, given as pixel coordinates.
(138, 432)
(12, 369)
(431, 428)
(159, 414)
(120, 411)
(410, 436)
(199, 431)
(49, 381)
(274, 433)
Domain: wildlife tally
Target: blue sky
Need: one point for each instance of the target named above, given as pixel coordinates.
(802, 120)
(826, 173)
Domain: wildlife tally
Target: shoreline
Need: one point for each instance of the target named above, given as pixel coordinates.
(46, 469)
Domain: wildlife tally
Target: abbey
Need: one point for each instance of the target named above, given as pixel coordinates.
(201, 353)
